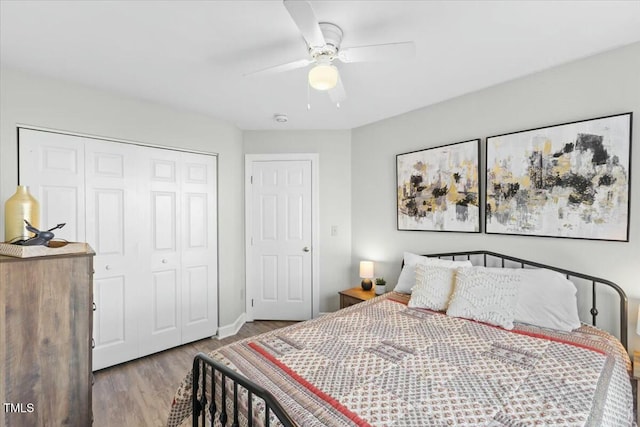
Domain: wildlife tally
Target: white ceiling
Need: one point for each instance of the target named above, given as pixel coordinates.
(193, 54)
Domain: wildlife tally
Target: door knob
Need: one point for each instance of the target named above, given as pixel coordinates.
(107, 267)
(306, 249)
(164, 261)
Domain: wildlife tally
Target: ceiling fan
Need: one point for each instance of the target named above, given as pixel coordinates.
(323, 48)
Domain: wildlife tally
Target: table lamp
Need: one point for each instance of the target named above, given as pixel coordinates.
(366, 274)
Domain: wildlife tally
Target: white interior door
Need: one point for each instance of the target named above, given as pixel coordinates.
(111, 197)
(199, 251)
(280, 254)
(160, 324)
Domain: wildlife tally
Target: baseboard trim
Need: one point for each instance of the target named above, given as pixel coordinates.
(231, 330)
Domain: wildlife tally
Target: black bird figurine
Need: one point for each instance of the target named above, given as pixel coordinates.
(41, 238)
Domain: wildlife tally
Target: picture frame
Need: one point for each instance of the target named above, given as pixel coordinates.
(438, 188)
(570, 180)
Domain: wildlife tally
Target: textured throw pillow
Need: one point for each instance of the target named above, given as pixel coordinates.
(487, 295)
(547, 299)
(433, 288)
(407, 278)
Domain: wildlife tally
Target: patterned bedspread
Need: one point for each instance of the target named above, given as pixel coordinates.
(381, 363)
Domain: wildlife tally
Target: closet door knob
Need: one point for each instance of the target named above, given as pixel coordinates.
(93, 305)
(306, 249)
(164, 261)
(107, 267)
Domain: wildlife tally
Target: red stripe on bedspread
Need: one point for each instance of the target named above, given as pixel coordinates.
(322, 395)
(537, 335)
(560, 340)
(398, 300)
(516, 331)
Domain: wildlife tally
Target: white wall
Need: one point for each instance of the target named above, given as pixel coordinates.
(605, 84)
(334, 152)
(37, 101)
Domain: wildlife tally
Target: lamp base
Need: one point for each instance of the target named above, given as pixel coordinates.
(366, 284)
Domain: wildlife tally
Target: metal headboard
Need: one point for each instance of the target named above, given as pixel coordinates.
(569, 274)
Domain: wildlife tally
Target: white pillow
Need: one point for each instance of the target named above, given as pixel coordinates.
(487, 295)
(547, 299)
(407, 278)
(433, 288)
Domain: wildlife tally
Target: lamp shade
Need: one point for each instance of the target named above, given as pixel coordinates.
(366, 269)
(323, 77)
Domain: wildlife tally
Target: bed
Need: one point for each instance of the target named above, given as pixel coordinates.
(388, 362)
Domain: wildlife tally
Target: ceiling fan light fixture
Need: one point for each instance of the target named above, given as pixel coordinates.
(323, 77)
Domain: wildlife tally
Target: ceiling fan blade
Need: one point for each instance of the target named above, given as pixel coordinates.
(378, 52)
(337, 94)
(302, 14)
(282, 67)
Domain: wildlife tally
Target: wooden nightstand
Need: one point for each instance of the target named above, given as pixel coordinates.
(354, 296)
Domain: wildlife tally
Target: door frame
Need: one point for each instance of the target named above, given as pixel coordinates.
(249, 159)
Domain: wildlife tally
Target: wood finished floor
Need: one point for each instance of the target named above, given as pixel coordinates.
(139, 393)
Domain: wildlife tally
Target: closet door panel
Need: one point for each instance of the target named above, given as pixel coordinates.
(163, 218)
(199, 248)
(109, 321)
(111, 200)
(159, 180)
(165, 301)
(52, 165)
(195, 295)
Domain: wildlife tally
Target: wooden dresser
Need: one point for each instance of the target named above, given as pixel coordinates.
(45, 340)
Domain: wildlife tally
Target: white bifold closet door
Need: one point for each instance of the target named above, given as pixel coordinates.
(111, 188)
(150, 215)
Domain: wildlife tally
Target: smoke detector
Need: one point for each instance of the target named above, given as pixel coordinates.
(280, 118)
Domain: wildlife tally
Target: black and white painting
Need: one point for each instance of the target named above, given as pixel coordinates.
(570, 180)
(438, 188)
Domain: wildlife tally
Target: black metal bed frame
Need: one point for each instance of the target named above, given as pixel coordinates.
(205, 369)
(200, 364)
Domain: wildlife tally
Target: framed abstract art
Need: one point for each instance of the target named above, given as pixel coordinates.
(570, 180)
(438, 188)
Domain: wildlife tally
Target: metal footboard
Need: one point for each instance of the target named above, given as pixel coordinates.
(205, 384)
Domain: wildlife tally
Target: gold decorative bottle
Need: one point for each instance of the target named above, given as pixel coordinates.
(17, 208)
